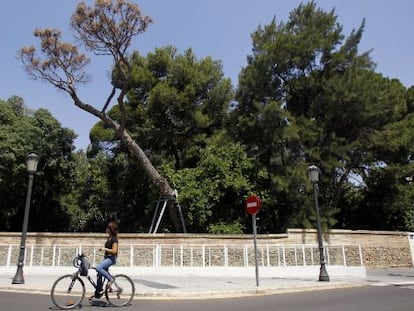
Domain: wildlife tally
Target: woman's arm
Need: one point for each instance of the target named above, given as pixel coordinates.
(111, 251)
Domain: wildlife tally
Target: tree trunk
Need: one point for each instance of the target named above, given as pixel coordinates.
(135, 149)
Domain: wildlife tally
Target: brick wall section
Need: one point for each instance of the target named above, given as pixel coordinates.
(379, 248)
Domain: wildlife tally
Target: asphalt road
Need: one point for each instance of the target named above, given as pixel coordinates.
(369, 298)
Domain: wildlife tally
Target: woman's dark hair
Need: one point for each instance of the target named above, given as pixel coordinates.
(113, 228)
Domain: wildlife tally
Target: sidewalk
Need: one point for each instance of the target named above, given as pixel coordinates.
(188, 286)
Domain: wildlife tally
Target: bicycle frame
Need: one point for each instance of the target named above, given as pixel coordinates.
(120, 294)
(80, 264)
(89, 278)
(92, 281)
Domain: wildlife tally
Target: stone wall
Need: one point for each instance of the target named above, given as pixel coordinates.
(379, 248)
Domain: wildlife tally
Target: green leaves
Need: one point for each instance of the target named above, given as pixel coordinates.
(23, 131)
(307, 96)
(214, 191)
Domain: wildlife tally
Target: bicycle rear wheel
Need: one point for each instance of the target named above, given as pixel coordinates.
(121, 292)
(68, 291)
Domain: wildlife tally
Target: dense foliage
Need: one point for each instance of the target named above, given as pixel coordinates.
(306, 96)
(23, 131)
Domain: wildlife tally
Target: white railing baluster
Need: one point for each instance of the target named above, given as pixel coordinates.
(9, 254)
(267, 255)
(296, 256)
(181, 255)
(246, 256)
(31, 255)
(54, 256)
(58, 260)
(262, 252)
(278, 256)
(312, 258)
(343, 255)
(42, 255)
(94, 257)
(328, 259)
(203, 254)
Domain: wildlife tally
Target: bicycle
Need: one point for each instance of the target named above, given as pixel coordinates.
(68, 291)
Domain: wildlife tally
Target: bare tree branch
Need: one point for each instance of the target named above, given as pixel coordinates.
(109, 99)
(62, 65)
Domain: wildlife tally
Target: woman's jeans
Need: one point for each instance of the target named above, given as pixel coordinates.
(102, 270)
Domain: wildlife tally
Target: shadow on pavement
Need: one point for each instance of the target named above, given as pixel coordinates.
(153, 284)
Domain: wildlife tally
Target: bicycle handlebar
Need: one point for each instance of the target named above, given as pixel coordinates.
(77, 260)
(80, 260)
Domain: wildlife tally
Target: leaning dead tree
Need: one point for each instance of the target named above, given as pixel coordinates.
(107, 28)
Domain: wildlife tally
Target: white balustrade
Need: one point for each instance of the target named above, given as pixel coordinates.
(184, 255)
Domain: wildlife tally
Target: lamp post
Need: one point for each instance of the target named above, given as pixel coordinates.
(313, 172)
(31, 163)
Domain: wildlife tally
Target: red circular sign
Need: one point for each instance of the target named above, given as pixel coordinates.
(253, 204)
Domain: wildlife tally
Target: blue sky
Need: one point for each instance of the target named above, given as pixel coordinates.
(217, 28)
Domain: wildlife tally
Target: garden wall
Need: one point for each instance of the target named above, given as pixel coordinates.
(379, 248)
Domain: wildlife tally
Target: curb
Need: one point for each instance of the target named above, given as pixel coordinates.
(209, 294)
(223, 294)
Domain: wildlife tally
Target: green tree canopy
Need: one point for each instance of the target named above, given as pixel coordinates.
(330, 106)
(176, 102)
(176, 107)
(23, 131)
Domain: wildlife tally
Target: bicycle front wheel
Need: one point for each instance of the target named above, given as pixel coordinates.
(68, 292)
(121, 292)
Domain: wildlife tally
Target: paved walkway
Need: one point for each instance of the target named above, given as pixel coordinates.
(189, 286)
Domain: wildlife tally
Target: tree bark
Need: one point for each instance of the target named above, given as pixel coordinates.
(135, 149)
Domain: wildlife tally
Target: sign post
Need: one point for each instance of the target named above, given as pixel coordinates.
(253, 206)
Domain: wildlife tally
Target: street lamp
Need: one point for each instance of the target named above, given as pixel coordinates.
(31, 163)
(313, 172)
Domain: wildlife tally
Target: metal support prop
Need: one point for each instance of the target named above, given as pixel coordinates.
(158, 214)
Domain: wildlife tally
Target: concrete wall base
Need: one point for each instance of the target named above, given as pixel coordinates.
(268, 272)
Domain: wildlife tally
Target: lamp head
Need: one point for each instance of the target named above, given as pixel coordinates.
(313, 173)
(31, 162)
